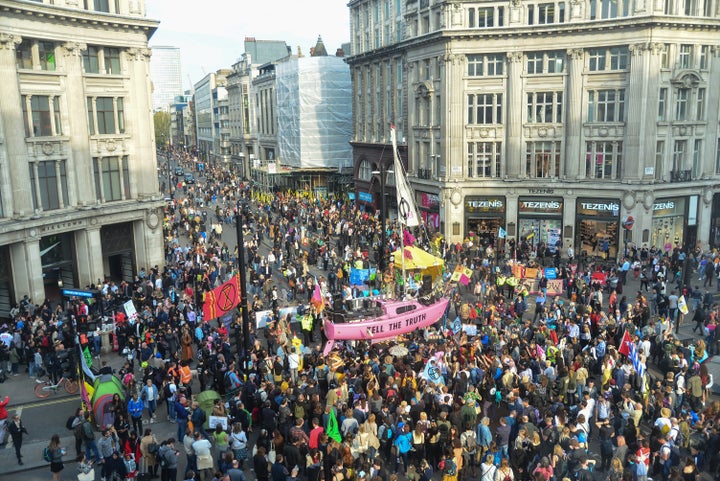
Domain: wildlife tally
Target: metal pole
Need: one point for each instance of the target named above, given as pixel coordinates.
(243, 293)
(382, 217)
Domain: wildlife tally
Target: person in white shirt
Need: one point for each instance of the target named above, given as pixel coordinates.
(294, 363)
(204, 459)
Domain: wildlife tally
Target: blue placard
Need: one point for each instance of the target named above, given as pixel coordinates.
(77, 293)
(551, 273)
(351, 195)
(365, 196)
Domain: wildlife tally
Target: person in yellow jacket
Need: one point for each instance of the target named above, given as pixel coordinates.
(511, 282)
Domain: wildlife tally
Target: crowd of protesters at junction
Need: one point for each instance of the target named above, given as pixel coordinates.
(541, 388)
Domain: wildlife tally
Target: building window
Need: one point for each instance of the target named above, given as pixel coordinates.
(484, 109)
(601, 9)
(697, 158)
(665, 56)
(704, 57)
(365, 171)
(555, 62)
(101, 6)
(685, 56)
(681, 103)
(545, 62)
(112, 178)
(475, 65)
(603, 160)
(546, 13)
(91, 59)
(112, 61)
(659, 159)
(46, 55)
(484, 159)
(717, 157)
(106, 115)
(485, 17)
(535, 62)
(485, 65)
(612, 58)
(48, 181)
(700, 104)
(662, 104)
(544, 107)
(43, 119)
(606, 106)
(679, 152)
(35, 54)
(542, 159)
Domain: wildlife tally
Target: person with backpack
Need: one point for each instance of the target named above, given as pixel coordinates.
(487, 468)
(385, 435)
(74, 423)
(53, 454)
(448, 466)
(468, 441)
(88, 433)
(504, 472)
(168, 460)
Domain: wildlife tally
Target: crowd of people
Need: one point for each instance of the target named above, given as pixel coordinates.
(589, 383)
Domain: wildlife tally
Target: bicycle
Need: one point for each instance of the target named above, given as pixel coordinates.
(43, 389)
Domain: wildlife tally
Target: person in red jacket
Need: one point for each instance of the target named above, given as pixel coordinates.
(3, 420)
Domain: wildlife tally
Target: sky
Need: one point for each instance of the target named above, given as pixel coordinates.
(211, 33)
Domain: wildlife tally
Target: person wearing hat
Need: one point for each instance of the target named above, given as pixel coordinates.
(663, 422)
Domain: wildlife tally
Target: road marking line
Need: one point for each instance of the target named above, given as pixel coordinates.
(47, 403)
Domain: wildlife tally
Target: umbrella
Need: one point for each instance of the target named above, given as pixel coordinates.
(398, 351)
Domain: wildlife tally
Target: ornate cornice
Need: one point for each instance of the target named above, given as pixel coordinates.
(74, 49)
(575, 53)
(139, 54)
(515, 57)
(9, 41)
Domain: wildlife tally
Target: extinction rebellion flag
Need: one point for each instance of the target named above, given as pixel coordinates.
(222, 299)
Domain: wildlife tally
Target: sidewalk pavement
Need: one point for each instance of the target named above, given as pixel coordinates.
(20, 389)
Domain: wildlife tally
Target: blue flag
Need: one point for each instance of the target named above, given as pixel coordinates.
(502, 233)
(432, 372)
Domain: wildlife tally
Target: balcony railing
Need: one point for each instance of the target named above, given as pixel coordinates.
(424, 174)
(680, 175)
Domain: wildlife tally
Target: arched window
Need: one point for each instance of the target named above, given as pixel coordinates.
(365, 171)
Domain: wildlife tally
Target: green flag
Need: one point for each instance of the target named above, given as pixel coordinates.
(332, 430)
(87, 356)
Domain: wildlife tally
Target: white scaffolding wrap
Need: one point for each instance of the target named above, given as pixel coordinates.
(314, 99)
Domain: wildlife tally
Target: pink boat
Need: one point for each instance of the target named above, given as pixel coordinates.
(382, 319)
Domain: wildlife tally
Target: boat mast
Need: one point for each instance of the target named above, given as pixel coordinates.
(402, 207)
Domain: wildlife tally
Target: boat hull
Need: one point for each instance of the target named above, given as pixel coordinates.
(400, 317)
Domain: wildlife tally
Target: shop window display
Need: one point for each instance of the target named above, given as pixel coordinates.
(598, 238)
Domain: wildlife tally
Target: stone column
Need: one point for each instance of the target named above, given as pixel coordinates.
(89, 254)
(142, 162)
(514, 109)
(711, 112)
(574, 153)
(148, 240)
(637, 113)
(18, 199)
(81, 185)
(454, 155)
(27, 269)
